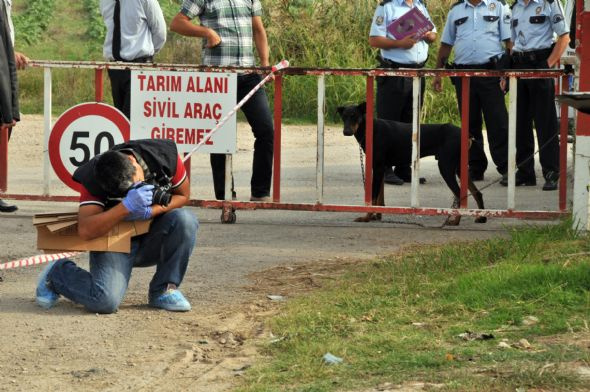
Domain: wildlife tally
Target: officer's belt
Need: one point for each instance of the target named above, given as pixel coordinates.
(532, 55)
(488, 65)
(385, 63)
(144, 59)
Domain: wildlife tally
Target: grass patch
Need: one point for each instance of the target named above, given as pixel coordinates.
(396, 319)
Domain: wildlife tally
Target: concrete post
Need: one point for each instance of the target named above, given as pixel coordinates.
(582, 155)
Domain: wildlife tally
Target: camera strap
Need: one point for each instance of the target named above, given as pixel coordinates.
(148, 175)
(162, 180)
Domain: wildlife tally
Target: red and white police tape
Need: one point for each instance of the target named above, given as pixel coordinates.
(39, 259)
(283, 64)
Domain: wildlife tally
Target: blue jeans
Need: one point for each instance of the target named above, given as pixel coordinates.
(168, 245)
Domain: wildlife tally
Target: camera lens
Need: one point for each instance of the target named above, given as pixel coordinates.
(161, 196)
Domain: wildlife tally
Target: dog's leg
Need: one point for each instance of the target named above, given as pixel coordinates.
(447, 171)
(370, 216)
(454, 220)
(478, 197)
(378, 195)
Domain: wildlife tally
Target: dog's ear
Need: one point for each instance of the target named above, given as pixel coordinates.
(362, 107)
(339, 110)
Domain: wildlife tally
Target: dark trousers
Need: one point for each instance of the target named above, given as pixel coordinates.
(121, 89)
(121, 85)
(536, 102)
(486, 96)
(394, 102)
(258, 114)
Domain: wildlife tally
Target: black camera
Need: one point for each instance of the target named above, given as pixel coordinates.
(160, 194)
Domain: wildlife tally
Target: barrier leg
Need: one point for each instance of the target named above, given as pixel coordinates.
(98, 85)
(464, 140)
(369, 142)
(414, 201)
(228, 213)
(563, 125)
(278, 115)
(320, 140)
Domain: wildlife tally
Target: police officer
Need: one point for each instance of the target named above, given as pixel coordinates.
(533, 24)
(394, 93)
(477, 28)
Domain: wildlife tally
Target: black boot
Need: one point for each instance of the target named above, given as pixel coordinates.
(5, 207)
(391, 178)
(551, 179)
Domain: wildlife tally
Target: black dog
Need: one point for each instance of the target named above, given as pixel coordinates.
(392, 146)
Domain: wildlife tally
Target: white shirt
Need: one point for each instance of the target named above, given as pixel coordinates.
(143, 28)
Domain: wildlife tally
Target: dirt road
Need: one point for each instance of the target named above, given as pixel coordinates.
(232, 270)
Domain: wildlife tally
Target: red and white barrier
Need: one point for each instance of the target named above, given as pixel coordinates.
(39, 259)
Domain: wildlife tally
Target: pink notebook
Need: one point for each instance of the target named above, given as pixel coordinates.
(412, 22)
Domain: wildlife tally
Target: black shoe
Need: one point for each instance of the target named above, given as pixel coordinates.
(391, 178)
(5, 207)
(525, 181)
(551, 181)
(476, 176)
(519, 181)
(404, 172)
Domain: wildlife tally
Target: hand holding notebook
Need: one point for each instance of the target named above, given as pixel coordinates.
(412, 23)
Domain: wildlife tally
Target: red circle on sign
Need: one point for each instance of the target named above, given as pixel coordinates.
(66, 119)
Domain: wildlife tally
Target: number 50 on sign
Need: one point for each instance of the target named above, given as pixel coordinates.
(82, 132)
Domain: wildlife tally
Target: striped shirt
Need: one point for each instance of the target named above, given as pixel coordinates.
(232, 21)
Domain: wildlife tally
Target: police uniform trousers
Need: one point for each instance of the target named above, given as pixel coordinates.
(395, 97)
(258, 114)
(535, 102)
(485, 96)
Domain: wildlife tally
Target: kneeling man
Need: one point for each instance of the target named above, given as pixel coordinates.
(138, 180)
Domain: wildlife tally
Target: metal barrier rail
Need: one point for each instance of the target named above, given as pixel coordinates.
(228, 206)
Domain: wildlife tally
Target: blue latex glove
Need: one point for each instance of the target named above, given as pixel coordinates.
(138, 199)
(140, 215)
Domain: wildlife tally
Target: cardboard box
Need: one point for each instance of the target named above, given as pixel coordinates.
(59, 232)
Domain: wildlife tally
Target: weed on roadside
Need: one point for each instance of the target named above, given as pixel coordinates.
(491, 315)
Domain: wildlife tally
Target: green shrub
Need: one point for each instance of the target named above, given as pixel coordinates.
(30, 25)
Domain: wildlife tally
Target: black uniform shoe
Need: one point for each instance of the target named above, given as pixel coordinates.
(551, 181)
(5, 207)
(525, 181)
(405, 173)
(391, 178)
(476, 176)
(519, 181)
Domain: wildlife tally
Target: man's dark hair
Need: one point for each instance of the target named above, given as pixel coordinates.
(114, 173)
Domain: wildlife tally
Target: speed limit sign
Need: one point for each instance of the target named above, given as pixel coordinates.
(82, 132)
